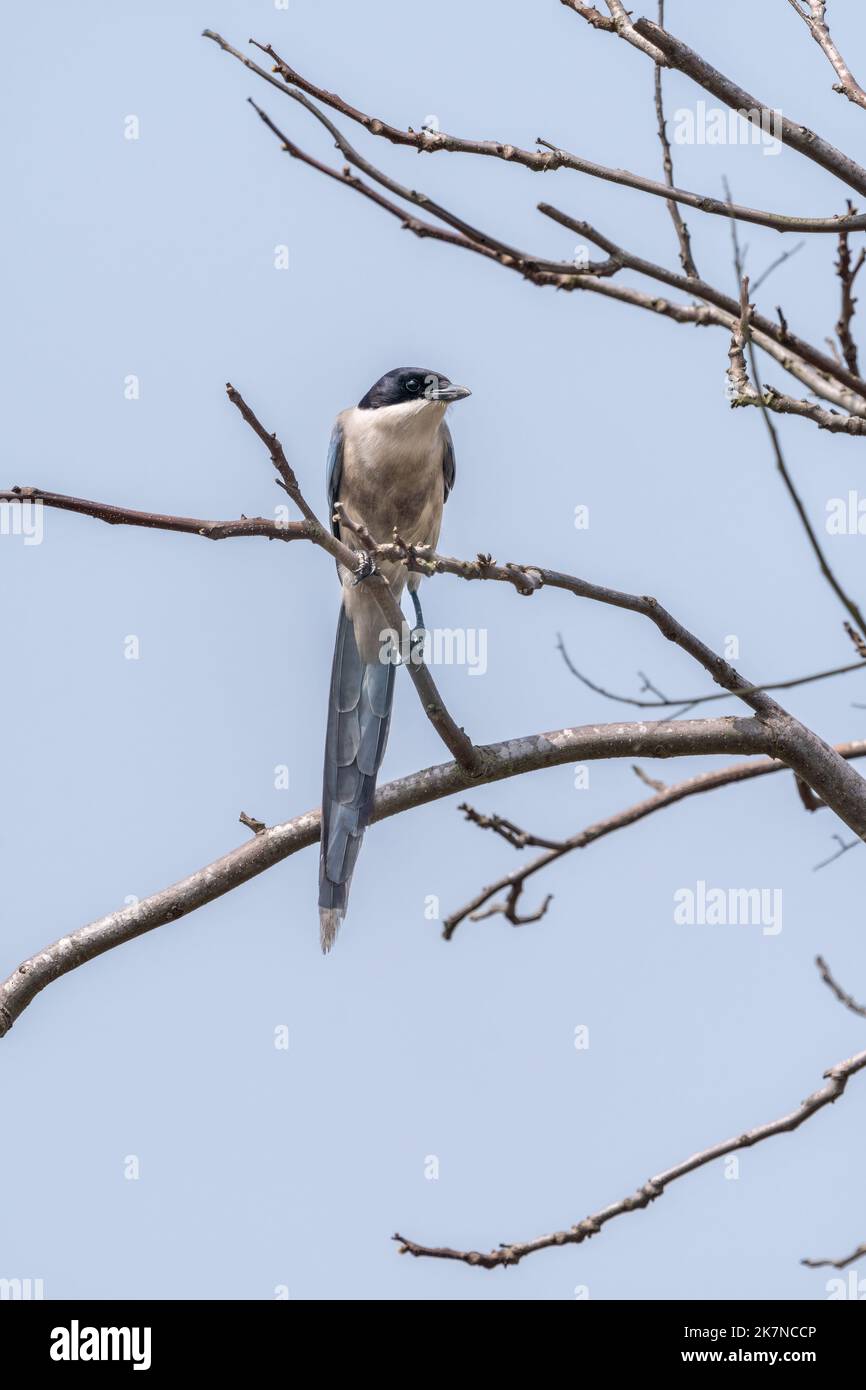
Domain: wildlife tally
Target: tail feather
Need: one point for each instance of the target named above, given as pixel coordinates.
(359, 715)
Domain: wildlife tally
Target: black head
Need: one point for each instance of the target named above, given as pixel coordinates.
(405, 384)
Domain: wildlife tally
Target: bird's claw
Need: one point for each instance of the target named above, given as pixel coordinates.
(365, 567)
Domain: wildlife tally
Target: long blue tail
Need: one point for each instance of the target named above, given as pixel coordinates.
(359, 714)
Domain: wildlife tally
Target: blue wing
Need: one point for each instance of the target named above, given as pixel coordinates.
(449, 468)
(334, 471)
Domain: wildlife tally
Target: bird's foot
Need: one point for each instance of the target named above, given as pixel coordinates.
(365, 568)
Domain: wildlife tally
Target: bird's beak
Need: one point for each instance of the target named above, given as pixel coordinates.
(450, 393)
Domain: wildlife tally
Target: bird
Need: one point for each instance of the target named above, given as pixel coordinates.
(391, 466)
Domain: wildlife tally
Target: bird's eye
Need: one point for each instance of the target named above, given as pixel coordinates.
(412, 384)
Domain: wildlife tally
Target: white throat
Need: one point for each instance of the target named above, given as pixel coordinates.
(410, 418)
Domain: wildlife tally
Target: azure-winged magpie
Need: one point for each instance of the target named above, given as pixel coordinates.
(391, 464)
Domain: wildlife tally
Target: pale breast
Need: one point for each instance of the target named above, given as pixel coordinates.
(392, 471)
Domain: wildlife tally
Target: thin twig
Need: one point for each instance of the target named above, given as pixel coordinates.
(693, 700)
(844, 846)
(847, 85)
(654, 783)
(810, 801)
(512, 834)
(686, 258)
(840, 993)
(774, 265)
(157, 521)
(847, 273)
(837, 1264)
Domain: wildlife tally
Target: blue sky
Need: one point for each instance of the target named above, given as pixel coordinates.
(261, 1168)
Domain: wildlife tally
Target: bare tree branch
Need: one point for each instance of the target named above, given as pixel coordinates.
(837, 1078)
(792, 133)
(782, 404)
(548, 159)
(270, 846)
(825, 376)
(711, 294)
(743, 339)
(774, 265)
(809, 756)
(509, 909)
(781, 344)
(844, 846)
(539, 270)
(832, 984)
(513, 883)
(860, 1009)
(592, 15)
(847, 275)
(814, 18)
(525, 578)
(686, 258)
(560, 275)
(768, 398)
(512, 834)
(311, 529)
(693, 700)
(410, 195)
(623, 26)
(125, 516)
(654, 783)
(837, 1264)
(811, 802)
